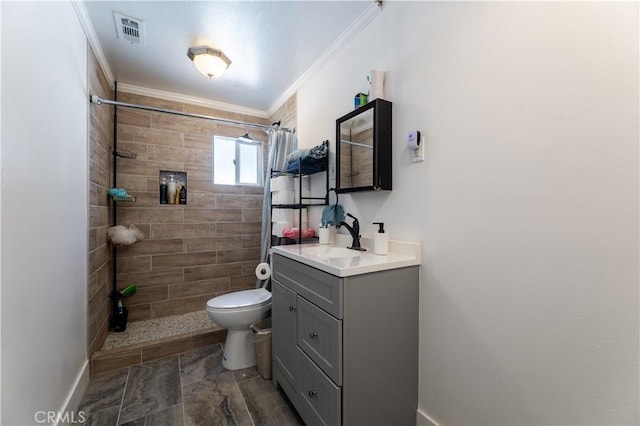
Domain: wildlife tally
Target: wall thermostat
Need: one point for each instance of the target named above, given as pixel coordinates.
(414, 141)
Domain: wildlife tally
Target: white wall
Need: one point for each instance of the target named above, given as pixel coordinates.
(44, 207)
(527, 203)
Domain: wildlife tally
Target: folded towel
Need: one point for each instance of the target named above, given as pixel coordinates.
(319, 151)
(306, 165)
(296, 155)
(118, 192)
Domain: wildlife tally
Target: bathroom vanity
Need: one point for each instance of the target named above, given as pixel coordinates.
(345, 333)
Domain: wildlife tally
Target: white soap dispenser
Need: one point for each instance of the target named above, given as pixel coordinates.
(381, 241)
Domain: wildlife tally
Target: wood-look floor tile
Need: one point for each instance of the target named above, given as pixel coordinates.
(151, 387)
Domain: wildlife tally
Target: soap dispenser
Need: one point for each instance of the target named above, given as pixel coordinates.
(381, 240)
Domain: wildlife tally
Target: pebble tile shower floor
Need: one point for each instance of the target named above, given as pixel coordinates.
(184, 390)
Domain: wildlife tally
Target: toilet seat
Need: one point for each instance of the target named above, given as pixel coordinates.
(238, 300)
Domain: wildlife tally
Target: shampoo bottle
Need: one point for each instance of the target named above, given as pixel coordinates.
(171, 189)
(163, 191)
(183, 195)
(381, 240)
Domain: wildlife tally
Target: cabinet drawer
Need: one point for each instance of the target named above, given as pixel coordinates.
(320, 397)
(322, 289)
(320, 337)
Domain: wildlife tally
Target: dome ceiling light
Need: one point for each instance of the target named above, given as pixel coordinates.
(210, 62)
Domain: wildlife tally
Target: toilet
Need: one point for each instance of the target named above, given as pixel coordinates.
(236, 312)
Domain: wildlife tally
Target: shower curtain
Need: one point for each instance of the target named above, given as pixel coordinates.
(281, 143)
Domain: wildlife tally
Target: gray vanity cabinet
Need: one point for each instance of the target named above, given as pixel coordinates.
(283, 313)
(345, 350)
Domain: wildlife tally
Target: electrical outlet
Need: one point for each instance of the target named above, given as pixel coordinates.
(418, 154)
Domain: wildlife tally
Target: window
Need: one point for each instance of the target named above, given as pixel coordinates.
(237, 161)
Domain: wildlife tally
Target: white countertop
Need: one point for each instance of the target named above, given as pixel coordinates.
(401, 254)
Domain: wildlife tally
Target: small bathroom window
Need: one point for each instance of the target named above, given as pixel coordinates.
(237, 161)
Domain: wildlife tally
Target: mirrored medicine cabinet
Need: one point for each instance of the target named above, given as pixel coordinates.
(363, 148)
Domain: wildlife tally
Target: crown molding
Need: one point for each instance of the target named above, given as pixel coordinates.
(352, 30)
(89, 31)
(143, 91)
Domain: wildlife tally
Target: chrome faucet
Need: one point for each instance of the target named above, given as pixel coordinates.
(354, 230)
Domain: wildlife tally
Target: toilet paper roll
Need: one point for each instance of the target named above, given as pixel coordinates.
(263, 271)
(282, 215)
(376, 78)
(296, 217)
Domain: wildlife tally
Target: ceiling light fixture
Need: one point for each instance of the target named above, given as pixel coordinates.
(210, 62)
(245, 138)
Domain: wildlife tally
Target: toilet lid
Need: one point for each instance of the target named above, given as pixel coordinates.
(239, 299)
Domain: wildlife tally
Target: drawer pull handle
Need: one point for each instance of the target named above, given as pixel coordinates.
(312, 393)
(313, 334)
(292, 307)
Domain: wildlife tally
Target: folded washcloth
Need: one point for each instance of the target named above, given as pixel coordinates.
(118, 192)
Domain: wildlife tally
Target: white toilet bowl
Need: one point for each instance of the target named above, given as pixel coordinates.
(236, 312)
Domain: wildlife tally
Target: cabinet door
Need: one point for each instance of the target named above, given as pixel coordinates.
(320, 337)
(284, 325)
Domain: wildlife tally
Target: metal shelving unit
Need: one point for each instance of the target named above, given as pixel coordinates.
(304, 202)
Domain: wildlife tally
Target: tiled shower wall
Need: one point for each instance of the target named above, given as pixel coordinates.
(99, 268)
(190, 252)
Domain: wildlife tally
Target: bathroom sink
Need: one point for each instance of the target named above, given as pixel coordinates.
(327, 252)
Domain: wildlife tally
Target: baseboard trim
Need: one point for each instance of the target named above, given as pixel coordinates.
(71, 404)
(423, 419)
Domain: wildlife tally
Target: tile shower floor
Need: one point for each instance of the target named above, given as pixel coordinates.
(159, 328)
(183, 390)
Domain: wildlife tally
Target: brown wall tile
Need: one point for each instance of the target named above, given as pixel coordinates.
(186, 230)
(148, 136)
(232, 201)
(163, 214)
(168, 261)
(182, 345)
(174, 276)
(148, 294)
(208, 215)
(238, 228)
(180, 306)
(151, 247)
(208, 244)
(212, 271)
(115, 361)
(215, 285)
(133, 264)
(243, 281)
(228, 256)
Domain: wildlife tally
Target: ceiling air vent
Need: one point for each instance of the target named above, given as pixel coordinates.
(129, 29)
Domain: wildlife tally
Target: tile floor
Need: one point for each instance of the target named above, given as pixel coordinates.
(183, 390)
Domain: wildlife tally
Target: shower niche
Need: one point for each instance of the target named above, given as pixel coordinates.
(173, 187)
